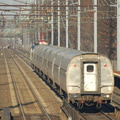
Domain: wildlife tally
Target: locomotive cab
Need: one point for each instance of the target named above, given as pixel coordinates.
(93, 83)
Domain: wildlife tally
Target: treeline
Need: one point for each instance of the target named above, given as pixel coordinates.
(107, 30)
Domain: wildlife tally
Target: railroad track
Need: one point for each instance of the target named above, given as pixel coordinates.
(23, 55)
(88, 113)
(26, 97)
(99, 116)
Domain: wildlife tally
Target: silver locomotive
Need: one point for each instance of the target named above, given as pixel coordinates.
(81, 77)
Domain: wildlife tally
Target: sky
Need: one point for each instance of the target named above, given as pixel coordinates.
(12, 2)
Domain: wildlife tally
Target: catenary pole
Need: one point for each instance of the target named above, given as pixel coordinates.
(66, 24)
(38, 25)
(79, 25)
(95, 26)
(118, 35)
(58, 23)
(35, 25)
(52, 24)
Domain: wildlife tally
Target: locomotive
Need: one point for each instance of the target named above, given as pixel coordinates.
(81, 77)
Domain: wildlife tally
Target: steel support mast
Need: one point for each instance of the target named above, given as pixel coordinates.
(38, 25)
(95, 26)
(67, 24)
(79, 26)
(52, 24)
(58, 23)
(118, 35)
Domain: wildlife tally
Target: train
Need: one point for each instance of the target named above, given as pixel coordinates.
(82, 78)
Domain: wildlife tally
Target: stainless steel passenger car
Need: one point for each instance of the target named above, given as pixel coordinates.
(82, 77)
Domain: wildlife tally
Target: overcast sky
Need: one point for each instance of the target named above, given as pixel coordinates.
(15, 1)
(12, 2)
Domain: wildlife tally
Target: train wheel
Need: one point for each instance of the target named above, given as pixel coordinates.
(80, 105)
(98, 105)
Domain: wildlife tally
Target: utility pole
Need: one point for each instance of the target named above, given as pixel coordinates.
(118, 35)
(67, 24)
(95, 26)
(79, 26)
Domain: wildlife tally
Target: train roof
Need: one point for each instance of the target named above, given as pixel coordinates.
(68, 50)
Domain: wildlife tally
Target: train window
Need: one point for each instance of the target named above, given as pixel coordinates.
(90, 68)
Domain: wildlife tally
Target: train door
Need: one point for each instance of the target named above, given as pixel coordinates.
(90, 76)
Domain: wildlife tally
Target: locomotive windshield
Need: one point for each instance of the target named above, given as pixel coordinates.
(90, 68)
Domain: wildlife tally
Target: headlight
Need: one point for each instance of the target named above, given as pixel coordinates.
(74, 95)
(109, 88)
(70, 88)
(106, 96)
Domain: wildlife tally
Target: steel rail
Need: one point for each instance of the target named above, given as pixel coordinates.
(32, 90)
(27, 60)
(15, 87)
(106, 115)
